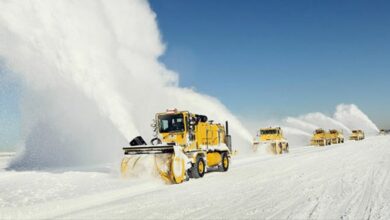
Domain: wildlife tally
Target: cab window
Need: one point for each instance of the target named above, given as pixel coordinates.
(171, 123)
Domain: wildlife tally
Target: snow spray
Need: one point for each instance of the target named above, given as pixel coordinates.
(91, 79)
(346, 118)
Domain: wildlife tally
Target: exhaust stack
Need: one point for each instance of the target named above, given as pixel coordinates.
(228, 138)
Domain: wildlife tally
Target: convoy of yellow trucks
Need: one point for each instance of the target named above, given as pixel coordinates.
(187, 145)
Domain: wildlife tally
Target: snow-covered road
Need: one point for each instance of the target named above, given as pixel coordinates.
(348, 181)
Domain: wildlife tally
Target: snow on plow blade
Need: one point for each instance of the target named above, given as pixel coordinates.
(168, 161)
(271, 147)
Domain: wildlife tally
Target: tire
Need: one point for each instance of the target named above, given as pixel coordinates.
(277, 149)
(287, 150)
(187, 176)
(198, 169)
(225, 163)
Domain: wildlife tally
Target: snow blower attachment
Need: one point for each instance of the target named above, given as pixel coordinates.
(272, 139)
(184, 146)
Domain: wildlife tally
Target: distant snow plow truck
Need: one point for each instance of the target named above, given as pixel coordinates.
(185, 145)
(272, 138)
(337, 137)
(321, 138)
(357, 135)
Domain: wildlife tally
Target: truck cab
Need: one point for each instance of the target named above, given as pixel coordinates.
(270, 134)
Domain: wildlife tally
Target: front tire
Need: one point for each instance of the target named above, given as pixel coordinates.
(199, 168)
(225, 163)
(286, 149)
(279, 148)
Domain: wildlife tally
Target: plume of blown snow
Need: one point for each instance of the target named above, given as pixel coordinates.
(295, 136)
(91, 79)
(354, 118)
(299, 124)
(322, 121)
(346, 118)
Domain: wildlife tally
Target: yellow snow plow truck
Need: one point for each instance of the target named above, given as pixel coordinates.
(321, 138)
(357, 135)
(337, 137)
(185, 145)
(272, 138)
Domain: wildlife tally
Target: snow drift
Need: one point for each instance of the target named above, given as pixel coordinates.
(91, 79)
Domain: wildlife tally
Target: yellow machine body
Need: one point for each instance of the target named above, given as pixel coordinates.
(357, 135)
(321, 138)
(272, 137)
(201, 143)
(204, 134)
(336, 136)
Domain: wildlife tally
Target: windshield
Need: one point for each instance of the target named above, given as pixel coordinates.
(171, 123)
(263, 132)
(354, 131)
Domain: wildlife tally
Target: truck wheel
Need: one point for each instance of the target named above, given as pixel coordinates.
(198, 169)
(279, 148)
(187, 176)
(287, 150)
(225, 163)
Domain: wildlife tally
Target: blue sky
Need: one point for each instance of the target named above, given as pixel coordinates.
(9, 112)
(276, 58)
(268, 59)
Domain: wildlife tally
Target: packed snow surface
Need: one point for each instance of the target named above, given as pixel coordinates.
(346, 181)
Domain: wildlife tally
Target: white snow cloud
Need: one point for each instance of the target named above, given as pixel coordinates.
(91, 78)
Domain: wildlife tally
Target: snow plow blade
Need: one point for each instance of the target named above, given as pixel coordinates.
(163, 149)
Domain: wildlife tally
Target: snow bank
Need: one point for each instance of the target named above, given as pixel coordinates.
(91, 79)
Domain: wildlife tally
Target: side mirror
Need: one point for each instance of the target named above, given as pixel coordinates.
(154, 124)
